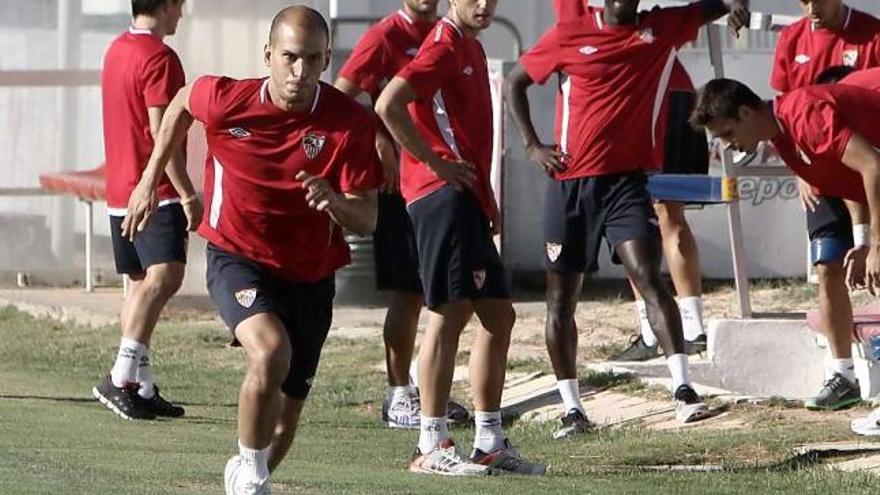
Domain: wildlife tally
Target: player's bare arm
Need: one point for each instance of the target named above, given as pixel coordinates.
(356, 211)
(391, 107)
(548, 157)
(192, 205)
(176, 122)
(862, 157)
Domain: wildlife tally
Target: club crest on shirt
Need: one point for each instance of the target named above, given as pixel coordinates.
(313, 144)
(246, 297)
(479, 279)
(850, 58)
(802, 59)
(554, 249)
(647, 35)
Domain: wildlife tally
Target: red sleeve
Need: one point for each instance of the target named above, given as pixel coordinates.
(680, 24)
(361, 170)
(163, 78)
(366, 66)
(820, 129)
(779, 74)
(568, 10)
(542, 60)
(203, 99)
(433, 66)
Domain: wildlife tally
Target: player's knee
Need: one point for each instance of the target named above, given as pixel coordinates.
(163, 282)
(270, 361)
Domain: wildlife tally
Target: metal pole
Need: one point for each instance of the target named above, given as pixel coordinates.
(62, 225)
(734, 220)
(88, 234)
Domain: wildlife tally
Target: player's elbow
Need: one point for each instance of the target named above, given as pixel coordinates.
(516, 83)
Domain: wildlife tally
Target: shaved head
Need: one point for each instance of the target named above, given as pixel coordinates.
(299, 17)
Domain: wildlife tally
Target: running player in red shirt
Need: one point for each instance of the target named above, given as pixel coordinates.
(381, 53)
(291, 162)
(439, 109)
(830, 34)
(141, 75)
(618, 63)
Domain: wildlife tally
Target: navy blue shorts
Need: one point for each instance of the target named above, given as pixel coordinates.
(457, 256)
(686, 149)
(242, 288)
(164, 240)
(830, 229)
(394, 247)
(578, 213)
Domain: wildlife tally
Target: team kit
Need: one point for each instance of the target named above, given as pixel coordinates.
(399, 148)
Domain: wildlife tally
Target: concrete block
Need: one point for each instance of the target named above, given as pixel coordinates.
(766, 357)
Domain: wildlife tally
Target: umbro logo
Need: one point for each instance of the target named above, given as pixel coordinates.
(802, 59)
(647, 36)
(412, 52)
(588, 50)
(239, 132)
(468, 70)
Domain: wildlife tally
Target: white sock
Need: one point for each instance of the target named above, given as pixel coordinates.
(145, 376)
(570, 393)
(845, 367)
(254, 465)
(489, 435)
(644, 325)
(691, 309)
(679, 371)
(395, 393)
(127, 361)
(432, 433)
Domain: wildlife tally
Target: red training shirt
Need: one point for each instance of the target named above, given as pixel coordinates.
(616, 84)
(453, 112)
(802, 52)
(140, 71)
(817, 124)
(254, 205)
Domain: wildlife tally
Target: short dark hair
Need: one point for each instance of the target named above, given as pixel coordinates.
(722, 98)
(315, 15)
(146, 7)
(834, 74)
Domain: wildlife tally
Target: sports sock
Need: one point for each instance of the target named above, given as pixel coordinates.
(644, 325)
(691, 309)
(414, 372)
(254, 464)
(125, 368)
(570, 393)
(678, 370)
(845, 367)
(489, 435)
(433, 431)
(147, 387)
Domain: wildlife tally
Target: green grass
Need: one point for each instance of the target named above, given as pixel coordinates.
(55, 439)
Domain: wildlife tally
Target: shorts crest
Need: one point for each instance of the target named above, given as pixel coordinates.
(554, 249)
(246, 297)
(479, 279)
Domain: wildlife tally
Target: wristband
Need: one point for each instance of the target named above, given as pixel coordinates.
(860, 234)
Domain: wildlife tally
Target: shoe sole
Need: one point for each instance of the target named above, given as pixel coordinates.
(420, 470)
(833, 407)
(694, 416)
(227, 474)
(397, 426)
(865, 426)
(110, 405)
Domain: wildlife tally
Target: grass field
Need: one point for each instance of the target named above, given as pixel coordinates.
(55, 439)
